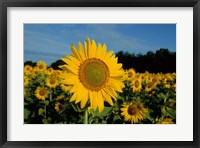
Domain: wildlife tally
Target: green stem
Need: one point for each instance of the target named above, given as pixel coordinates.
(50, 97)
(86, 116)
(45, 111)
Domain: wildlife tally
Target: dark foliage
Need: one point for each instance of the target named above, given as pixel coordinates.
(160, 61)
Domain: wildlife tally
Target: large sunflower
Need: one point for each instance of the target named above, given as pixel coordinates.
(94, 74)
(134, 111)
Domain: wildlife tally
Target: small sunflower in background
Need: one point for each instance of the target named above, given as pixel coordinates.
(41, 93)
(52, 82)
(131, 74)
(149, 87)
(26, 81)
(66, 88)
(134, 112)
(58, 107)
(136, 84)
(94, 74)
(166, 121)
(35, 72)
(28, 70)
(49, 71)
(41, 66)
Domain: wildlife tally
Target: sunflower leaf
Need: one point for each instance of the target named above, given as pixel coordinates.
(171, 112)
(26, 113)
(117, 117)
(107, 111)
(40, 111)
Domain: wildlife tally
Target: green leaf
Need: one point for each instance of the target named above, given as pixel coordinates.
(45, 121)
(46, 102)
(171, 112)
(40, 111)
(117, 117)
(107, 111)
(30, 100)
(49, 119)
(26, 113)
(104, 122)
(161, 96)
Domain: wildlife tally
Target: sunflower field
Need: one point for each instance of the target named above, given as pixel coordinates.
(93, 88)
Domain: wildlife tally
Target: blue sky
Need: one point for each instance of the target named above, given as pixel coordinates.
(50, 42)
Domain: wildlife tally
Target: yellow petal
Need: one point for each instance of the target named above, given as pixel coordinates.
(72, 69)
(77, 87)
(75, 52)
(93, 49)
(102, 52)
(84, 98)
(88, 49)
(74, 96)
(107, 97)
(100, 101)
(110, 92)
(79, 97)
(113, 84)
(69, 79)
(108, 54)
(74, 60)
(69, 62)
(98, 51)
(82, 52)
(93, 99)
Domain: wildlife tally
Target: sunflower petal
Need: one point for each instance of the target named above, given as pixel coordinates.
(107, 97)
(75, 52)
(100, 101)
(84, 98)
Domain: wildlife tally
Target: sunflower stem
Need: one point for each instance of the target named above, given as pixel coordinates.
(50, 97)
(86, 116)
(45, 111)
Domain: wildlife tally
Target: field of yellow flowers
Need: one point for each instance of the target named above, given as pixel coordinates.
(93, 88)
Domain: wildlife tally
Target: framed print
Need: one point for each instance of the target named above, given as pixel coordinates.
(89, 74)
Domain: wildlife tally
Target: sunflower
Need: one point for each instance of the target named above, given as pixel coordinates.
(58, 107)
(28, 69)
(94, 74)
(65, 88)
(52, 82)
(26, 81)
(136, 84)
(41, 93)
(149, 87)
(49, 71)
(134, 111)
(41, 65)
(131, 74)
(166, 121)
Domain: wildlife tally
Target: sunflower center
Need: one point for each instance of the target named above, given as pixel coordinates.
(41, 67)
(130, 74)
(42, 93)
(52, 81)
(132, 109)
(94, 74)
(137, 83)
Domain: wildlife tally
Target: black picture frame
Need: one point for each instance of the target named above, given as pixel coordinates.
(4, 4)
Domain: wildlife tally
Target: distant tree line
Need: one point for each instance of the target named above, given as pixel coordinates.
(161, 60)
